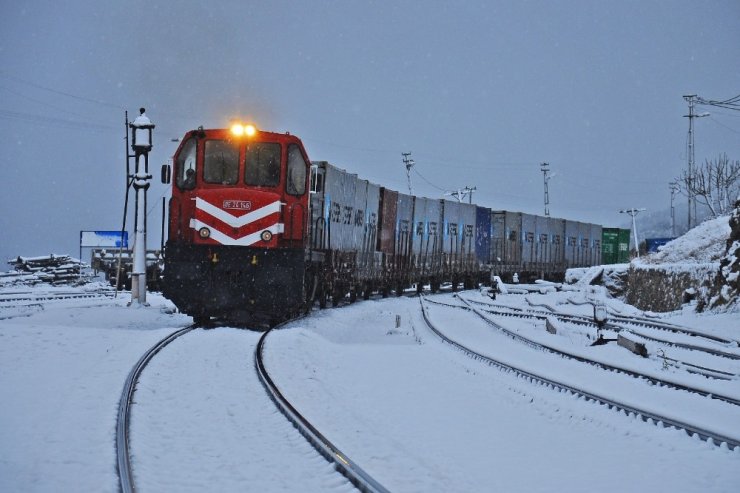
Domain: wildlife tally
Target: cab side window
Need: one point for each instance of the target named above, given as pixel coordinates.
(185, 165)
(262, 164)
(296, 179)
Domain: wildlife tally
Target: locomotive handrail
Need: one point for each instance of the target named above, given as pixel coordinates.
(319, 238)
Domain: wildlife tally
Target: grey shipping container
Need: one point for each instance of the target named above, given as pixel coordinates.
(427, 242)
(506, 244)
(529, 252)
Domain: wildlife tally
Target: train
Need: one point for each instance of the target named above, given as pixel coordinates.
(258, 233)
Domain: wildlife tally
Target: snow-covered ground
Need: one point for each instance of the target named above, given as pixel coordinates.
(413, 412)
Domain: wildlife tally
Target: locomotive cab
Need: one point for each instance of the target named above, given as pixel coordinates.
(238, 225)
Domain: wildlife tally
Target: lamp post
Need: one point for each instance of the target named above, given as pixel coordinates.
(545, 167)
(141, 144)
(692, 99)
(633, 212)
(674, 189)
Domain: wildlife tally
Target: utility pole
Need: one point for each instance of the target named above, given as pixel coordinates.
(634, 212)
(692, 99)
(460, 194)
(409, 163)
(674, 189)
(545, 167)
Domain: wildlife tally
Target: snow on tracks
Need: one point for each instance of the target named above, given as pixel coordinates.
(202, 419)
(562, 381)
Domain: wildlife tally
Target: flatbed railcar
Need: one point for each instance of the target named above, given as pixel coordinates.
(258, 232)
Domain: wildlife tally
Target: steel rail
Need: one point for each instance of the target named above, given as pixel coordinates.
(646, 416)
(123, 464)
(16, 299)
(343, 464)
(622, 325)
(677, 329)
(606, 366)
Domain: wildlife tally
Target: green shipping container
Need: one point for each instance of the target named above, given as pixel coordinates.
(615, 246)
(624, 246)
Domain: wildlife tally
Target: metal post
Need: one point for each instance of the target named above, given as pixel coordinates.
(545, 170)
(691, 99)
(409, 164)
(141, 144)
(674, 190)
(164, 217)
(633, 212)
(138, 271)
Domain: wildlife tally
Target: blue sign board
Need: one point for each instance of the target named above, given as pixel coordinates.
(100, 239)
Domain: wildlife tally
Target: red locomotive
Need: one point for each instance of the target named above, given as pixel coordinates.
(238, 227)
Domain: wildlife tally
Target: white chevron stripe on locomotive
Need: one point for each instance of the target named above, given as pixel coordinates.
(234, 221)
(246, 240)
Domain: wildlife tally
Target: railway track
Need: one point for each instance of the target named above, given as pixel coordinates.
(123, 455)
(605, 366)
(21, 298)
(622, 323)
(342, 463)
(354, 473)
(718, 439)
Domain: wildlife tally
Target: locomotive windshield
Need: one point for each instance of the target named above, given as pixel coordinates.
(263, 164)
(221, 163)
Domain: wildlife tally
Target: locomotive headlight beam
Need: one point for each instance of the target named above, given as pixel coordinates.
(266, 235)
(241, 130)
(204, 233)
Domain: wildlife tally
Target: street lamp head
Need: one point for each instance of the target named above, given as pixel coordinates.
(141, 140)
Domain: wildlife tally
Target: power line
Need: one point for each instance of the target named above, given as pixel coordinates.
(59, 122)
(723, 125)
(732, 103)
(429, 182)
(62, 93)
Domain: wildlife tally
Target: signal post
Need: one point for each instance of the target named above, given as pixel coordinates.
(141, 144)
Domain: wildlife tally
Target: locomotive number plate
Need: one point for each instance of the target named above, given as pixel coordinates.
(242, 205)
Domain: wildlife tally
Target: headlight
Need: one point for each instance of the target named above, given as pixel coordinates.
(204, 233)
(266, 236)
(239, 129)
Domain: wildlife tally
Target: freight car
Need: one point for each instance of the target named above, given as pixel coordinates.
(257, 232)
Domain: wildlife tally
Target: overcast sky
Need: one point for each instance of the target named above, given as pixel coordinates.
(480, 93)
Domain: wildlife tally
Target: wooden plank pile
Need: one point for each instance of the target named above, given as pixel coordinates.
(51, 269)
